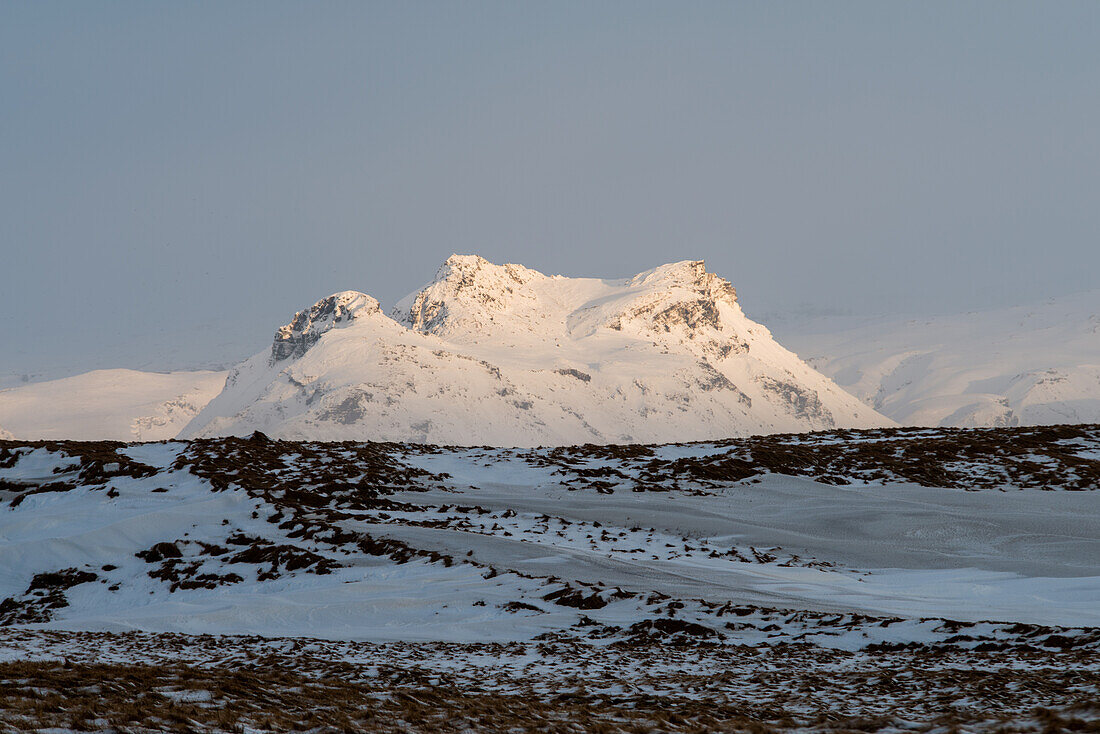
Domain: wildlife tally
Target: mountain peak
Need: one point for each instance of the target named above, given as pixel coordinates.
(468, 289)
(339, 309)
(502, 354)
(691, 275)
(461, 262)
(465, 270)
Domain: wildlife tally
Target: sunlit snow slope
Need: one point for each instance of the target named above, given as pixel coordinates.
(504, 355)
(118, 405)
(1029, 365)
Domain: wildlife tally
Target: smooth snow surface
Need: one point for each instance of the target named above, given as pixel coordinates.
(116, 405)
(1029, 365)
(503, 355)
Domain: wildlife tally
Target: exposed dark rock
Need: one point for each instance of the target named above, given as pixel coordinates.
(159, 552)
(307, 327)
(800, 402)
(44, 594)
(570, 372)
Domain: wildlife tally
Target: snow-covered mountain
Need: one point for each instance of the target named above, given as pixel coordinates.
(505, 355)
(117, 405)
(1028, 365)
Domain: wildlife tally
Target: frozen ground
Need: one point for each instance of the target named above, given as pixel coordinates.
(732, 572)
(145, 682)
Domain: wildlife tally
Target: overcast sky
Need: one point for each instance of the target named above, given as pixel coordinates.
(176, 179)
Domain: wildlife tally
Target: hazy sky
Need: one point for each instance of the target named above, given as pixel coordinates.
(176, 179)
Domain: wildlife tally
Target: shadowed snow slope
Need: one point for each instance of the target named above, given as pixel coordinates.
(504, 355)
(115, 405)
(1029, 365)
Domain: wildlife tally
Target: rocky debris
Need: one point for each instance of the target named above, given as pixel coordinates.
(350, 410)
(288, 557)
(159, 552)
(357, 475)
(799, 402)
(94, 464)
(201, 571)
(519, 606)
(567, 596)
(570, 372)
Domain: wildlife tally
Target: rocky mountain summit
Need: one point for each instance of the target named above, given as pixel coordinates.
(505, 355)
(307, 327)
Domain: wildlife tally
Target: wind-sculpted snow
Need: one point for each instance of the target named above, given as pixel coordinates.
(808, 566)
(505, 355)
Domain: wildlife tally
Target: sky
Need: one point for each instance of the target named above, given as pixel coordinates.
(177, 179)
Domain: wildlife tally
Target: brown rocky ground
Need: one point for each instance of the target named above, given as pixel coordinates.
(81, 682)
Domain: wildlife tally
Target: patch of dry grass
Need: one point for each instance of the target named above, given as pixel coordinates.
(276, 698)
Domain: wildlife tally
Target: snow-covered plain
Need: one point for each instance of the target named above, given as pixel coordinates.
(894, 580)
(115, 405)
(1028, 365)
(506, 356)
(377, 542)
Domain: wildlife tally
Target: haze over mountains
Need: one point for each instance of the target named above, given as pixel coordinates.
(505, 355)
(1029, 365)
(116, 405)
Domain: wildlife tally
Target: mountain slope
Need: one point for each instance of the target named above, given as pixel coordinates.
(117, 405)
(1028, 365)
(505, 355)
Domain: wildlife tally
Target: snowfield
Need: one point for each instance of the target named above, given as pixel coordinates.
(1028, 365)
(506, 356)
(387, 542)
(112, 405)
(812, 568)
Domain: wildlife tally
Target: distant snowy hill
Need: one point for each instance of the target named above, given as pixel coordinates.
(118, 404)
(504, 355)
(1029, 365)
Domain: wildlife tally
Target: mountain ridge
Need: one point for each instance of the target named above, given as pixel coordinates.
(507, 355)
